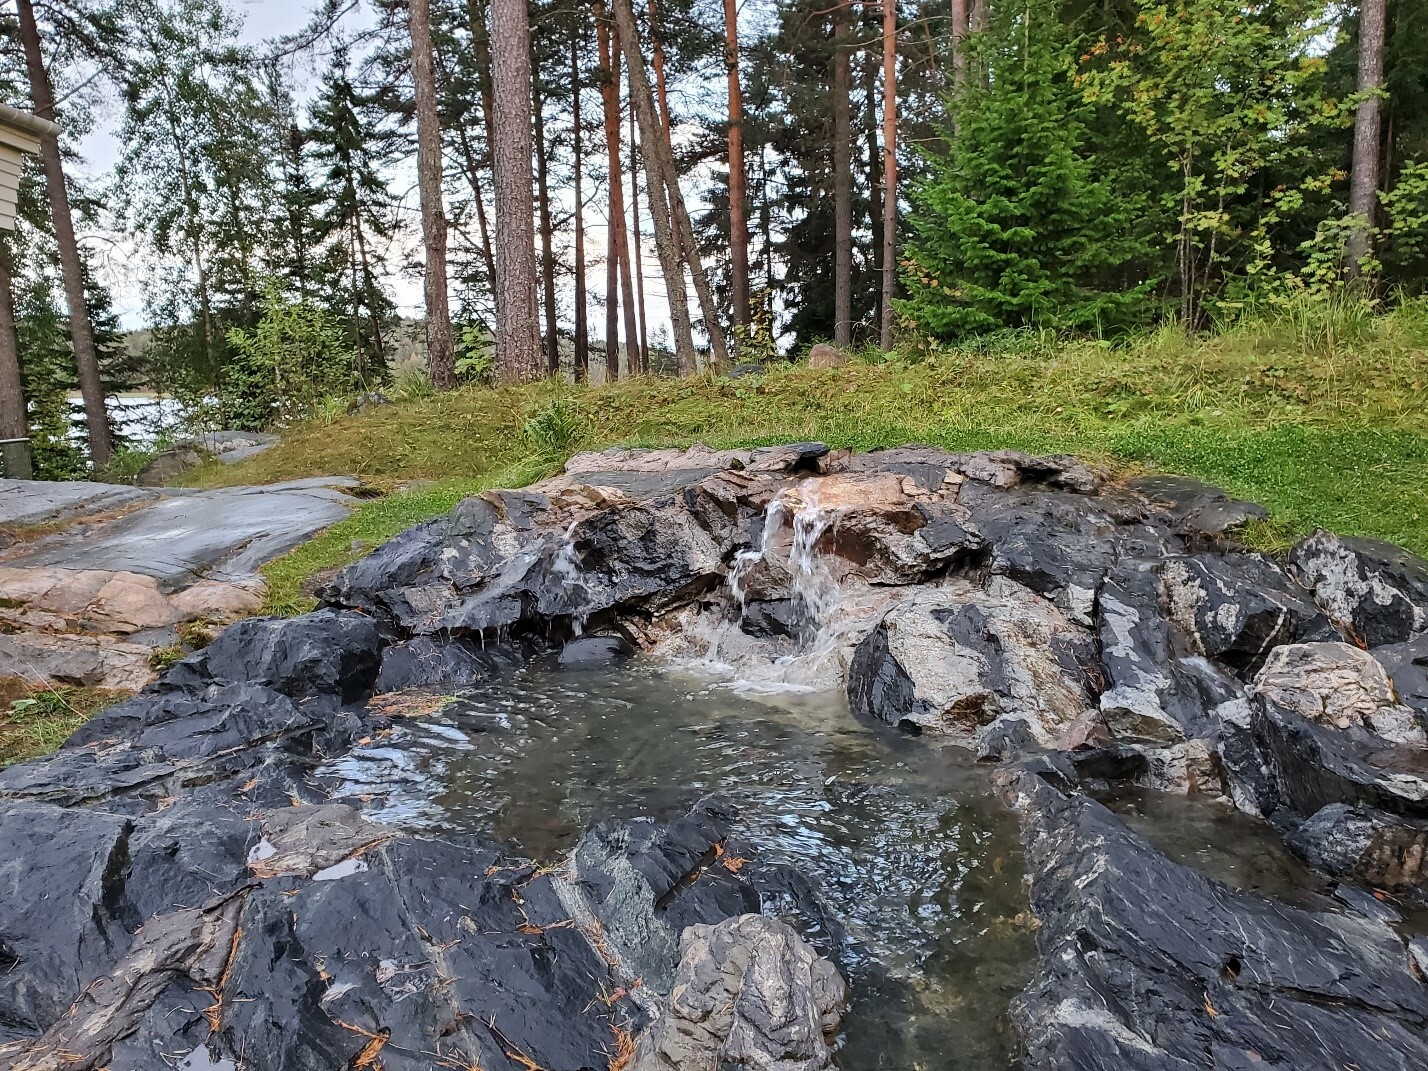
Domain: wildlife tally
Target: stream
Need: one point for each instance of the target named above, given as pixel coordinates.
(904, 837)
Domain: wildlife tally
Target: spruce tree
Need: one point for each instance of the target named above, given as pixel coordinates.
(1020, 223)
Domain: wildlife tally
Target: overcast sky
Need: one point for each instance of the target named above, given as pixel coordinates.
(264, 20)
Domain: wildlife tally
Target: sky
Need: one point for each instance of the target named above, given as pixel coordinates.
(122, 267)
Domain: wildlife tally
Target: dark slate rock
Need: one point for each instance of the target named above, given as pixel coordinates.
(328, 652)
(1146, 965)
(150, 749)
(791, 458)
(63, 919)
(1197, 510)
(1239, 606)
(185, 727)
(1310, 765)
(1152, 692)
(1061, 544)
(1376, 592)
(438, 662)
(594, 652)
(1366, 846)
(1407, 664)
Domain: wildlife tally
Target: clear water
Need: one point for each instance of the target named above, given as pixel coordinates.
(908, 844)
(905, 839)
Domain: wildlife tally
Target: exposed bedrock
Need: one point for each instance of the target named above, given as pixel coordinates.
(174, 879)
(1149, 965)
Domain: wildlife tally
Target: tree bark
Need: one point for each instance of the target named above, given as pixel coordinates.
(889, 170)
(1364, 178)
(14, 418)
(661, 213)
(657, 48)
(481, 45)
(581, 362)
(874, 156)
(635, 242)
(679, 214)
(441, 348)
(615, 252)
(738, 219)
(81, 330)
(842, 182)
(547, 240)
(518, 358)
(661, 90)
(959, 36)
(478, 198)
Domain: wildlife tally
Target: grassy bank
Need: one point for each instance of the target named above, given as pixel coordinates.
(1324, 423)
(35, 720)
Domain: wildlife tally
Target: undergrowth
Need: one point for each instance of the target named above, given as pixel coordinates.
(34, 720)
(1322, 423)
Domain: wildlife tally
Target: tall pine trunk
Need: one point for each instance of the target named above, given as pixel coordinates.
(1364, 178)
(636, 241)
(581, 361)
(842, 181)
(873, 155)
(959, 47)
(889, 171)
(441, 349)
(615, 250)
(669, 177)
(651, 142)
(481, 45)
(738, 219)
(518, 357)
(14, 420)
(81, 330)
(547, 240)
(478, 198)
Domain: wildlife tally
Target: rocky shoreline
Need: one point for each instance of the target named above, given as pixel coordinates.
(177, 888)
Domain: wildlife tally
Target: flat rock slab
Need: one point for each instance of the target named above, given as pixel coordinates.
(224, 534)
(43, 501)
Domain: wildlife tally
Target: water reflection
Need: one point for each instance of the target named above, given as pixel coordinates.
(905, 840)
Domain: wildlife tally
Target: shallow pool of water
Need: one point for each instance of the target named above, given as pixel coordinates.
(905, 839)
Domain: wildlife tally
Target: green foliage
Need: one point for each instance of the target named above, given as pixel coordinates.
(285, 367)
(34, 721)
(555, 430)
(1228, 94)
(1018, 224)
(476, 355)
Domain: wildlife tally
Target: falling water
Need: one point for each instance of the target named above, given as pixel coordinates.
(833, 614)
(566, 569)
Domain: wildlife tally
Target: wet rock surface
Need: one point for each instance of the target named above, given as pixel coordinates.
(216, 906)
(749, 993)
(1148, 964)
(87, 604)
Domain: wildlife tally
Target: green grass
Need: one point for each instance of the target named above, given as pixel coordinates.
(1323, 425)
(36, 720)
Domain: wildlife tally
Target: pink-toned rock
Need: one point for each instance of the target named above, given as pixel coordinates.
(61, 591)
(90, 661)
(823, 355)
(130, 602)
(214, 600)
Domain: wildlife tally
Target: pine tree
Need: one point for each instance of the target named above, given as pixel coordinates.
(1019, 224)
(354, 217)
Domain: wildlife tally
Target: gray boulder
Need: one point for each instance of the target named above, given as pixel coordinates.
(1374, 591)
(749, 995)
(958, 659)
(1366, 846)
(1146, 965)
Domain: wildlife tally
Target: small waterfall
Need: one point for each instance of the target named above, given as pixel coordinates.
(810, 582)
(795, 522)
(565, 567)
